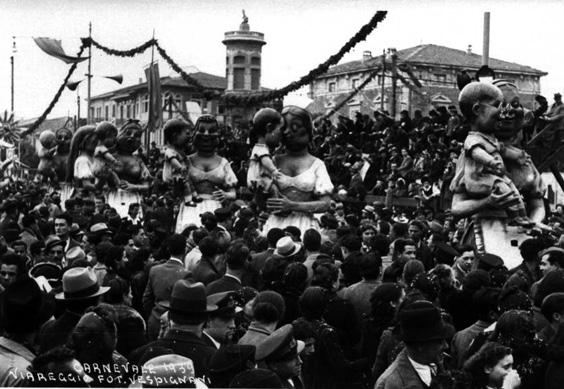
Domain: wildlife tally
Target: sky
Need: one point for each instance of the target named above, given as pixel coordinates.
(300, 35)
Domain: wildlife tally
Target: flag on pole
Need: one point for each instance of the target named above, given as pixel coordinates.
(155, 99)
(54, 48)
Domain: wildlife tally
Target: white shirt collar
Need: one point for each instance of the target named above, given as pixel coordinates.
(232, 276)
(177, 260)
(423, 371)
(215, 343)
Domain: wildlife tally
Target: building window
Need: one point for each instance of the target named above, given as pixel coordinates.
(255, 61)
(380, 79)
(440, 78)
(227, 60)
(255, 79)
(107, 113)
(238, 78)
(239, 59)
(121, 111)
(128, 110)
(113, 110)
(145, 104)
(332, 86)
(355, 83)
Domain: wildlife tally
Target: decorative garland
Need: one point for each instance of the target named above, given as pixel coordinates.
(356, 90)
(361, 35)
(42, 118)
(185, 76)
(229, 98)
(120, 53)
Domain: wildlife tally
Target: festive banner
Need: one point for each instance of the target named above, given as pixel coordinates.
(155, 99)
(53, 48)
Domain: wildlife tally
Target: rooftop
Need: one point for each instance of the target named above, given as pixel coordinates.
(436, 55)
(209, 81)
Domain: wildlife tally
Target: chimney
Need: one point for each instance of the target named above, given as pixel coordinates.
(366, 55)
(486, 45)
(469, 51)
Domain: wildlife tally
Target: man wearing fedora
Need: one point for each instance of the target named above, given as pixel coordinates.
(102, 232)
(80, 291)
(423, 332)
(236, 259)
(23, 312)
(188, 313)
(161, 280)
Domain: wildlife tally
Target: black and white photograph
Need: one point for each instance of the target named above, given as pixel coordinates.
(293, 194)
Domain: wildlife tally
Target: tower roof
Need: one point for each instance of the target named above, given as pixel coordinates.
(244, 34)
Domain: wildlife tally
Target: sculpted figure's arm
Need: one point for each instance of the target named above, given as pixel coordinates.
(176, 165)
(513, 154)
(557, 116)
(283, 204)
(480, 155)
(537, 212)
(87, 184)
(462, 206)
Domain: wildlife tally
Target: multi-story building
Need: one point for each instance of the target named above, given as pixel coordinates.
(436, 67)
(133, 101)
(243, 71)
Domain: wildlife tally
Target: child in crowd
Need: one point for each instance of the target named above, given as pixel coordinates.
(46, 154)
(174, 169)
(104, 161)
(262, 171)
(480, 168)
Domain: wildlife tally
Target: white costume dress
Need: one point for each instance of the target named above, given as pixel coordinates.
(312, 183)
(222, 176)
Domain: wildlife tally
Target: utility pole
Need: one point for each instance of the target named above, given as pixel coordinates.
(89, 75)
(383, 80)
(170, 106)
(486, 44)
(394, 82)
(12, 67)
(77, 108)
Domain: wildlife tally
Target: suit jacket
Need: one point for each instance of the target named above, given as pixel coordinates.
(159, 285)
(182, 343)
(255, 335)
(72, 243)
(400, 375)
(224, 284)
(258, 259)
(205, 272)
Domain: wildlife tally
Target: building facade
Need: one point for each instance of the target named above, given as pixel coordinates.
(243, 74)
(436, 68)
(132, 102)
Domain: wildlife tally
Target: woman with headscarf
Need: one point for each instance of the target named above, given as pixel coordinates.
(304, 187)
(211, 174)
(133, 173)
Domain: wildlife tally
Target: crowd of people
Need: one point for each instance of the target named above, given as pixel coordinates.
(256, 258)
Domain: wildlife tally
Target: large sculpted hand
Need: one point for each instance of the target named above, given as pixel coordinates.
(280, 204)
(503, 200)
